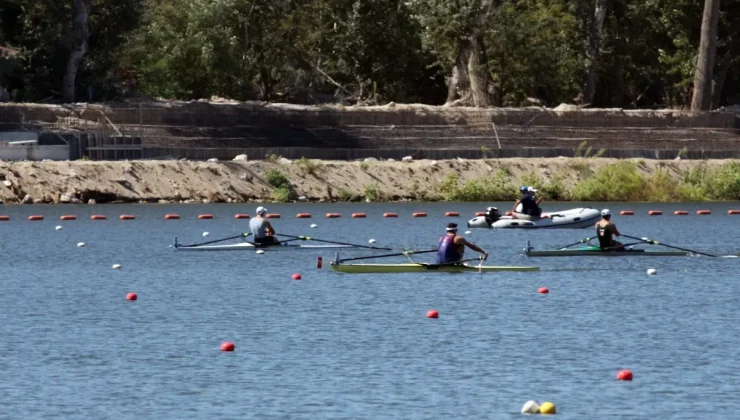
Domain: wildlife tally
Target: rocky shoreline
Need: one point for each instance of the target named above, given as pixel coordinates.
(309, 180)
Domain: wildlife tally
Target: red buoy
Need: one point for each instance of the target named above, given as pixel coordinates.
(296, 276)
(319, 262)
(227, 346)
(543, 290)
(624, 375)
(432, 314)
(131, 296)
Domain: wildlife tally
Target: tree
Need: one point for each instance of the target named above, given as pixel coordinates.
(78, 46)
(705, 62)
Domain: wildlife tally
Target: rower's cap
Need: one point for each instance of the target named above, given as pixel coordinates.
(261, 210)
(523, 189)
(606, 212)
(451, 227)
(531, 189)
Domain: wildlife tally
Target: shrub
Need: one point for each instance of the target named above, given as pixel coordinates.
(614, 182)
(345, 195)
(309, 166)
(364, 166)
(273, 158)
(277, 179)
(371, 192)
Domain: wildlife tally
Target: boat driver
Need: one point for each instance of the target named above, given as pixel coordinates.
(261, 228)
(605, 230)
(527, 207)
(452, 247)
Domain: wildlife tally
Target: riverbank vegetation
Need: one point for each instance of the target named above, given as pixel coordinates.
(602, 53)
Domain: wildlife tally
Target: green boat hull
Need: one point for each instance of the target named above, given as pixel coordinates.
(422, 268)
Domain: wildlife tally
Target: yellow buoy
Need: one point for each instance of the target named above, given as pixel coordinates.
(547, 408)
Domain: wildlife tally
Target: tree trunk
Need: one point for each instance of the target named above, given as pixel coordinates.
(78, 46)
(592, 52)
(705, 63)
(719, 83)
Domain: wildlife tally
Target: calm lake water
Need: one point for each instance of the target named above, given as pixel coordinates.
(359, 346)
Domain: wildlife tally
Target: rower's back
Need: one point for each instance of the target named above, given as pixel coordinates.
(258, 226)
(604, 233)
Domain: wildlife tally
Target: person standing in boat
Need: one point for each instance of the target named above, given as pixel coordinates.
(261, 228)
(605, 231)
(452, 247)
(527, 207)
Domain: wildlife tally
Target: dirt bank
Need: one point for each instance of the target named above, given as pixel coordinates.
(182, 181)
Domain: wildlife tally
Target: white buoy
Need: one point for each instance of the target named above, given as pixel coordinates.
(59, 228)
(206, 233)
(314, 226)
(652, 271)
(260, 251)
(81, 244)
(116, 266)
(372, 241)
(531, 407)
(467, 232)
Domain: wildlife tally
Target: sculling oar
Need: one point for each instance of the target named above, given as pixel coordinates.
(582, 241)
(652, 242)
(387, 255)
(308, 238)
(242, 235)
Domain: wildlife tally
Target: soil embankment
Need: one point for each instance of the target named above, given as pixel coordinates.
(184, 181)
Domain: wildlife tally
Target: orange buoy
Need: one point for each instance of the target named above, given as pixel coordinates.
(4, 217)
(359, 215)
(452, 214)
(35, 217)
(390, 215)
(205, 216)
(729, 212)
(127, 217)
(171, 216)
(626, 213)
(296, 276)
(97, 217)
(333, 215)
(303, 215)
(227, 346)
(543, 290)
(681, 213)
(480, 213)
(655, 213)
(272, 216)
(703, 212)
(241, 216)
(432, 314)
(419, 214)
(624, 375)
(131, 296)
(68, 217)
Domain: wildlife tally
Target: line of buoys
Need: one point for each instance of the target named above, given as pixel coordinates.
(333, 215)
(626, 213)
(655, 213)
(681, 213)
(4, 218)
(432, 314)
(419, 214)
(205, 216)
(97, 217)
(624, 375)
(127, 217)
(131, 296)
(452, 214)
(390, 215)
(272, 216)
(68, 217)
(303, 215)
(171, 216)
(729, 212)
(227, 346)
(359, 215)
(480, 213)
(703, 212)
(241, 216)
(35, 218)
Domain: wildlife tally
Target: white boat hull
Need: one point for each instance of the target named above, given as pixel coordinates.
(567, 219)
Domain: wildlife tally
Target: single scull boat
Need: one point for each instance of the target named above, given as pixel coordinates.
(420, 268)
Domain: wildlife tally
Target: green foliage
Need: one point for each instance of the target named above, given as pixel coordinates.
(345, 195)
(364, 166)
(273, 158)
(371, 193)
(277, 179)
(495, 188)
(614, 182)
(484, 151)
(552, 190)
(309, 166)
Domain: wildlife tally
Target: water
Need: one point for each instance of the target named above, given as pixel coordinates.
(359, 346)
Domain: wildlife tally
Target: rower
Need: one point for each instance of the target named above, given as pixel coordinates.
(452, 247)
(262, 230)
(605, 230)
(527, 207)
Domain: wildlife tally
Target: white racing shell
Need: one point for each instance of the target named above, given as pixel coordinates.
(578, 218)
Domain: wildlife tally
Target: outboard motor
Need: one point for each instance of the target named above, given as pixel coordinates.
(492, 215)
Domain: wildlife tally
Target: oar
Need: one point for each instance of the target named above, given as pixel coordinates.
(386, 255)
(308, 238)
(242, 235)
(582, 241)
(652, 242)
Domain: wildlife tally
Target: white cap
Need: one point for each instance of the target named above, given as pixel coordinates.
(261, 210)
(606, 212)
(531, 189)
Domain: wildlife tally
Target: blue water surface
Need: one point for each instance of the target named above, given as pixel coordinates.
(358, 346)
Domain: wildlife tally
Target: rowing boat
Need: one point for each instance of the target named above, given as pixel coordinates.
(246, 246)
(595, 251)
(420, 268)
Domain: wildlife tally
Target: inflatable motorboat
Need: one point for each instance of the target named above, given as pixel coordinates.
(581, 217)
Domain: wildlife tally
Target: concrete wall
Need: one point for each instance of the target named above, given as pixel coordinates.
(18, 136)
(34, 152)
